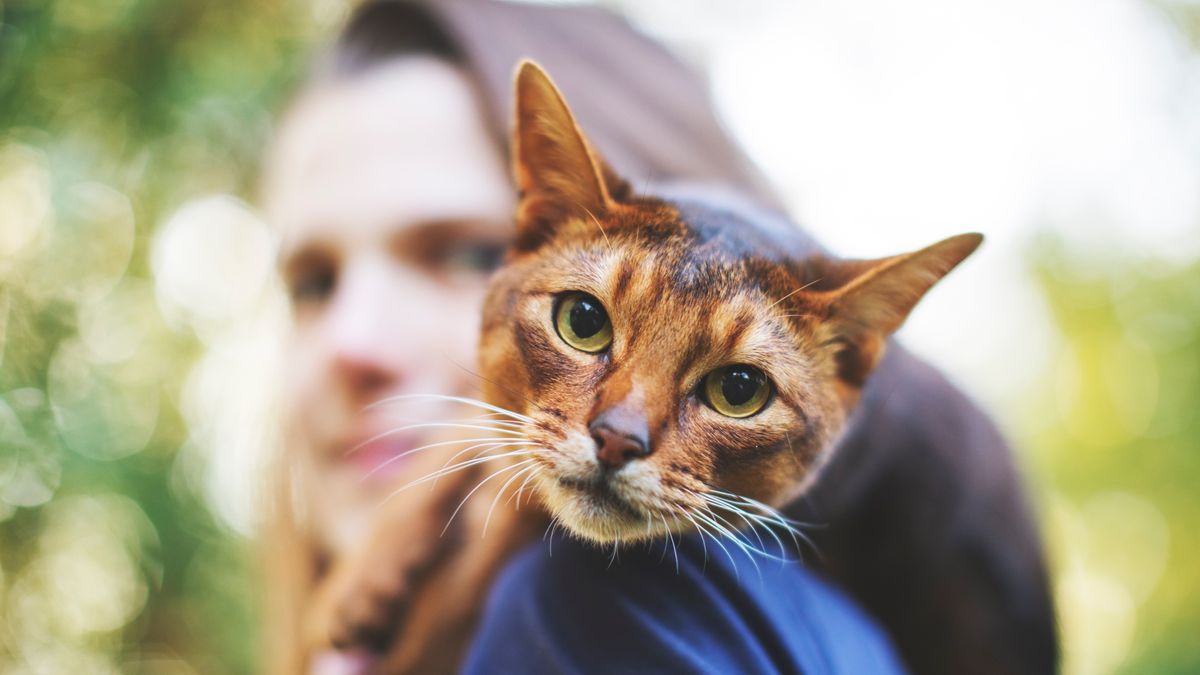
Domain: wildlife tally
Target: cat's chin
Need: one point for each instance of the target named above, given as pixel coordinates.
(597, 514)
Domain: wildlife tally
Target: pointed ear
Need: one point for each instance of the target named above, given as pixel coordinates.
(556, 173)
(874, 303)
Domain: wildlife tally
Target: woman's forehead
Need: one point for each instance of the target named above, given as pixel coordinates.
(420, 93)
(405, 142)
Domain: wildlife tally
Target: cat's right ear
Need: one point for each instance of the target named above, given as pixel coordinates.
(556, 173)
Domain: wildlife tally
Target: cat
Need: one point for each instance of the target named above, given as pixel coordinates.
(671, 365)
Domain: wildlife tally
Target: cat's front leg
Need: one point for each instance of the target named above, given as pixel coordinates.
(414, 591)
(445, 612)
(366, 593)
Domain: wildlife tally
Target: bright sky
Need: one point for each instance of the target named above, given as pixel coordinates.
(888, 126)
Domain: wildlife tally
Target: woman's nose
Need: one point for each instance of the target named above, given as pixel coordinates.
(363, 376)
(368, 353)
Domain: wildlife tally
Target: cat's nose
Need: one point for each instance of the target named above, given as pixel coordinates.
(622, 434)
(615, 449)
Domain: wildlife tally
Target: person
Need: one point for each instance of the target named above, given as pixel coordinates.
(389, 184)
(388, 181)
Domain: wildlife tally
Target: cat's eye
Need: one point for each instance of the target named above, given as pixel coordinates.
(737, 391)
(581, 322)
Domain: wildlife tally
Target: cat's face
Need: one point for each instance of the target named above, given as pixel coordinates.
(655, 371)
(665, 370)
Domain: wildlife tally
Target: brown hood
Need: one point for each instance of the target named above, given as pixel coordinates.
(648, 114)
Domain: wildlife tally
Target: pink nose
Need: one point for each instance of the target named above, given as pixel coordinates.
(615, 449)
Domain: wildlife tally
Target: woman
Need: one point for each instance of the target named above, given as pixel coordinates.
(390, 185)
(389, 182)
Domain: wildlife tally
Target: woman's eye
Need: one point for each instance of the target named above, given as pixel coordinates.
(582, 323)
(481, 258)
(313, 285)
(737, 391)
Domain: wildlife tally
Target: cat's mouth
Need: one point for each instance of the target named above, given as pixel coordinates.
(601, 504)
(601, 492)
(602, 508)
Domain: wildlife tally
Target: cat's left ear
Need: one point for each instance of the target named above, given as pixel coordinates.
(876, 301)
(556, 172)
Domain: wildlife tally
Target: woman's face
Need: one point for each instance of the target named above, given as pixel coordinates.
(394, 205)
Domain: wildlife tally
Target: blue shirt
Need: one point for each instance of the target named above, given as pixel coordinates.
(570, 607)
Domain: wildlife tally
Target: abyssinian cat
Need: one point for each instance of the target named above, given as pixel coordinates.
(670, 365)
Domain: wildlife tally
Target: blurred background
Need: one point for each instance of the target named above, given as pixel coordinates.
(140, 315)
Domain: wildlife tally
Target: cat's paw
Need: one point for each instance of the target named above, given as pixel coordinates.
(361, 602)
(365, 595)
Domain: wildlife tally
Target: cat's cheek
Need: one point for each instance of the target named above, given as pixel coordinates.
(766, 477)
(573, 458)
(554, 497)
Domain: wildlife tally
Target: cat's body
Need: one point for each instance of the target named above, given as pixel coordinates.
(929, 529)
(919, 512)
(676, 365)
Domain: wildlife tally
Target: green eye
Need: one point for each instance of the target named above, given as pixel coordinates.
(582, 323)
(737, 391)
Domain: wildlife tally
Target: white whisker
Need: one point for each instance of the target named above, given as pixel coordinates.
(773, 517)
(550, 533)
(488, 445)
(718, 542)
(755, 521)
(671, 539)
(476, 489)
(702, 544)
(389, 432)
(457, 467)
(490, 419)
(450, 425)
(454, 399)
(793, 293)
(500, 493)
(428, 447)
(710, 519)
(487, 448)
(521, 489)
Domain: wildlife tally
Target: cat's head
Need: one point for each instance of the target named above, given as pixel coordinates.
(669, 364)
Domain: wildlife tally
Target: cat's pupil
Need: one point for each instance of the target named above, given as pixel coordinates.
(739, 386)
(587, 318)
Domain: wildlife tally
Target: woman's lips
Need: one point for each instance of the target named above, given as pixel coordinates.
(380, 458)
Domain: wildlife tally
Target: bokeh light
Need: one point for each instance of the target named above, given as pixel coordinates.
(100, 412)
(30, 469)
(24, 200)
(213, 259)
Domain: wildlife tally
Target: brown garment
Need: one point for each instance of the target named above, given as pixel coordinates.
(649, 115)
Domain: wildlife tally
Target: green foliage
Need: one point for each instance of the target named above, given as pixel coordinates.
(111, 115)
(1116, 445)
